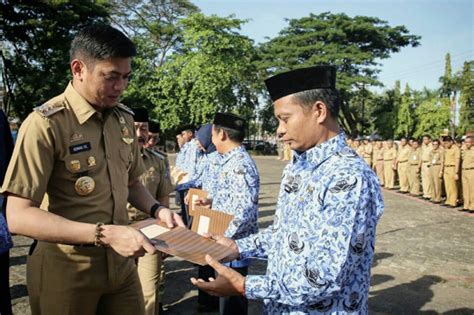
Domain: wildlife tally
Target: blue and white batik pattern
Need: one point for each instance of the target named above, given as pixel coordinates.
(5, 238)
(206, 175)
(191, 158)
(321, 244)
(180, 156)
(236, 192)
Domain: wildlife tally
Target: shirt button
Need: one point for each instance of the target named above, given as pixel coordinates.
(108, 156)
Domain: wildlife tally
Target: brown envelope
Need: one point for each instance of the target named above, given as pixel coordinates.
(193, 195)
(210, 221)
(182, 242)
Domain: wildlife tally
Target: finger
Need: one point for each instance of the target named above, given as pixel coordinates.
(169, 219)
(215, 264)
(148, 247)
(178, 220)
(211, 279)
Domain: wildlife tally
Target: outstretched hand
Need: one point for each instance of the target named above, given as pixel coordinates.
(228, 282)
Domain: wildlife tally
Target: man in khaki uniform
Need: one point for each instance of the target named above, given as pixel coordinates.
(425, 163)
(389, 158)
(414, 168)
(367, 151)
(377, 164)
(451, 167)
(78, 154)
(402, 165)
(156, 179)
(436, 170)
(468, 174)
(360, 147)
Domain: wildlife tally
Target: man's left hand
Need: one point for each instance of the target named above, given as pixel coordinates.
(229, 282)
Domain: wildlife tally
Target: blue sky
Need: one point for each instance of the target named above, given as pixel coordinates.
(444, 25)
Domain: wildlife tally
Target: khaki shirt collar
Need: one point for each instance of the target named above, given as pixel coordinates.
(82, 109)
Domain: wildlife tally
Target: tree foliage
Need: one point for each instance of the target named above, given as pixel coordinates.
(36, 36)
(433, 117)
(212, 71)
(466, 99)
(405, 126)
(353, 45)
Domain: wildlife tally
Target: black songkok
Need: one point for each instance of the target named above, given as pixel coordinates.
(229, 121)
(287, 83)
(140, 114)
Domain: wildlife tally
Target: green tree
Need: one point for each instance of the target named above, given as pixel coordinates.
(405, 119)
(36, 36)
(466, 99)
(214, 70)
(433, 117)
(352, 44)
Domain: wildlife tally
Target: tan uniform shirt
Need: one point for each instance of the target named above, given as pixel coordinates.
(403, 154)
(425, 152)
(436, 157)
(468, 159)
(156, 179)
(66, 140)
(389, 154)
(415, 157)
(452, 158)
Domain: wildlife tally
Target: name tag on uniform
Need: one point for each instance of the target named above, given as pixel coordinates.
(80, 147)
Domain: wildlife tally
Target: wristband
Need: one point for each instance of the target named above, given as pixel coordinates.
(153, 209)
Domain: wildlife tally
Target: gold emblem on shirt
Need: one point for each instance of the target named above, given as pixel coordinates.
(126, 136)
(75, 137)
(75, 165)
(91, 161)
(84, 185)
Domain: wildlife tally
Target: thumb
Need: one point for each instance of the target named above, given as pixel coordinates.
(148, 247)
(215, 264)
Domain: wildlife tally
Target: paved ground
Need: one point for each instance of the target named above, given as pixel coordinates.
(423, 262)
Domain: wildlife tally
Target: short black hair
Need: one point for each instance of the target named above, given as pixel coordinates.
(99, 42)
(436, 140)
(234, 135)
(330, 97)
(427, 136)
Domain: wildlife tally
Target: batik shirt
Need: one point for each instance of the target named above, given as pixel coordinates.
(206, 175)
(5, 237)
(191, 158)
(236, 193)
(321, 244)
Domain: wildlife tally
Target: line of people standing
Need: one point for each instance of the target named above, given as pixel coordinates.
(433, 169)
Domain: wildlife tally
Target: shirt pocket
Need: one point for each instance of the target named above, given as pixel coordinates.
(126, 158)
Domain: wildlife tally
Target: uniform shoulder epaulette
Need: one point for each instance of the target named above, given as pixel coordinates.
(47, 110)
(125, 108)
(151, 151)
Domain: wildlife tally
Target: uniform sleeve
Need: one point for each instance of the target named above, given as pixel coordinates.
(32, 161)
(334, 250)
(256, 245)
(164, 187)
(244, 199)
(137, 168)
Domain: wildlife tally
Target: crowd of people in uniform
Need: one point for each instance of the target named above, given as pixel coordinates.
(433, 169)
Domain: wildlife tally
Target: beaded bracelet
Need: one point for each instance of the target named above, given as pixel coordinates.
(98, 235)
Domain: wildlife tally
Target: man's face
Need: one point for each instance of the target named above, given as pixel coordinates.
(141, 129)
(448, 144)
(403, 142)
(389, 144)
(217, 139)
(366, 141)
(187, 135)
(426, 140)
(297, 125)
(180, 140)
(379, 144)
(468, 143)
(415, 144)
(103, 81)
(153, 139)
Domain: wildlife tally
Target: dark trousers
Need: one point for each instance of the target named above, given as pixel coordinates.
(187, 220)
(238, 304)
(204, 299)
(5, 298)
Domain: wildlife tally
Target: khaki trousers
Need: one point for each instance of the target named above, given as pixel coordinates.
(426, 180)
(403, 176)
(414, 180)
(149, 267)
(468, 188)
(389, 174)
(451, 186)
(436, 183)
(65, 279)
(379, 170)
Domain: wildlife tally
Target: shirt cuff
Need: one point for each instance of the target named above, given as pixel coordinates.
(258, 287)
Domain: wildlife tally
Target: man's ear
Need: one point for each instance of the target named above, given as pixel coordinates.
(320, 111)
(222, 135)
(77, 69)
